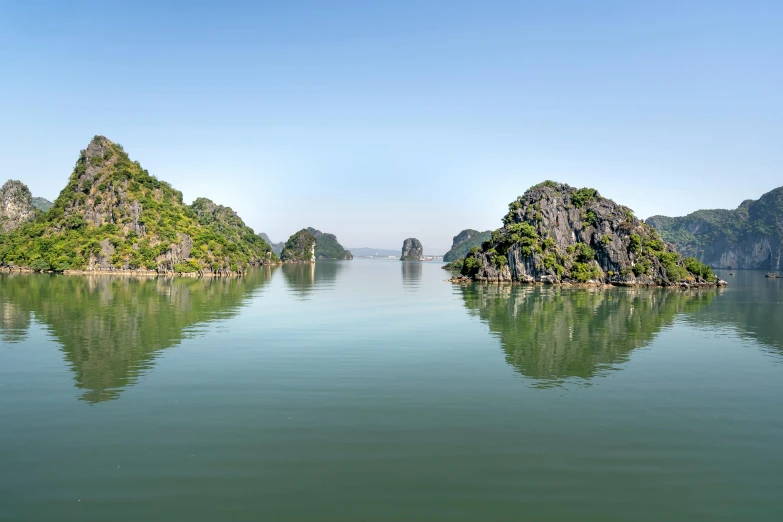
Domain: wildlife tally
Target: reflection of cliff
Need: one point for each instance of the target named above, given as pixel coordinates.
(411, 274)
(302, 278)
(110, 328)
(551, 334)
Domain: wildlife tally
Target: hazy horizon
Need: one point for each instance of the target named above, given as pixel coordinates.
(377, 123)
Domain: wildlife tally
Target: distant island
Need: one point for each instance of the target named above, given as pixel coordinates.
(750, 236)
(113, 216)
(412, 250)
(326, 247)
(555, 233)
(300, 248)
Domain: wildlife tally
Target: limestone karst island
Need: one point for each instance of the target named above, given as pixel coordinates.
(555, 233)
(113, 216)
(412, 250)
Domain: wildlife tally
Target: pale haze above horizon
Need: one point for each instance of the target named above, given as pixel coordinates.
(408, 119)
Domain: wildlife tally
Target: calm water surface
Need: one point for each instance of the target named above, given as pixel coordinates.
(374, 391)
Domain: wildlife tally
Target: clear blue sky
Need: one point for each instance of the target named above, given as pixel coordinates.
(378, 121)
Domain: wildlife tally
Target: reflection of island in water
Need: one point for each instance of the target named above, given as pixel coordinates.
(14, 322)
(411, 274)
(302, 278)
(111, 328)
(552, 334)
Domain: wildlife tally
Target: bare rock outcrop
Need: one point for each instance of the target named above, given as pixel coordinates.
(412, 250)
(16, 206)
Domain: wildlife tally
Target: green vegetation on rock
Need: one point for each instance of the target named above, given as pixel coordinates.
(463, 242)
(225, 223)
(114, 215)
(455, 265)
(327, 246)
(300, 248)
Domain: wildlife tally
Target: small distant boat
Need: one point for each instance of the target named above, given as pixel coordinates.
(773, 275)
(731, 273)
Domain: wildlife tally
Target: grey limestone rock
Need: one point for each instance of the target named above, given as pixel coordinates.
(16, 206)
(412, 250)
(555, 233)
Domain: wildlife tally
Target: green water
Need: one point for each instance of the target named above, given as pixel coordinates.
(374, 391)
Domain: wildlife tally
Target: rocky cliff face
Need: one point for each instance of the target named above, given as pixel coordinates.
(412, 250)
(300, 248)
(16, 206)
(327, 246)
(113, 215)
(555, 233)
(750, 236)
(463, 242)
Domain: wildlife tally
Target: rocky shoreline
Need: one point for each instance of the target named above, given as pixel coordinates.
(135, 273)
(461, 279)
